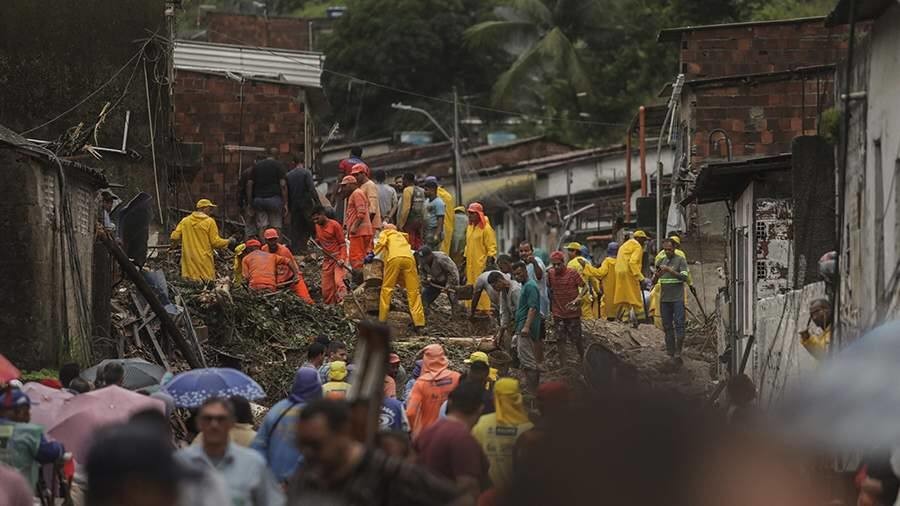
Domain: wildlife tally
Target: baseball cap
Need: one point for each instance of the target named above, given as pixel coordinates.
(13, 398)
(478, 356)
(574, 245)
(270, 233)
(253, 243)
(359, 167)
(639, 234)
(393, 358)
(205, 203)
(348, 180)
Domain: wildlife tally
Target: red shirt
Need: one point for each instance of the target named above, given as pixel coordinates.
(447, 449)
(331, 238)
(563, 289)
(358, 209)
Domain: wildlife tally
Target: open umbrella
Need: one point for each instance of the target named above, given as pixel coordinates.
(7, 370)
(191, 388)
(81, 416)
(852, 401)
(46, 402)
(138, 372)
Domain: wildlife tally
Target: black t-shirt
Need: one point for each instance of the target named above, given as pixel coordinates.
(266, 177)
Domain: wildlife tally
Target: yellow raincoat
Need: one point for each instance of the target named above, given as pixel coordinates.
(449, 202)
(607, 275)
(399, 267)
(238, 265)
(589, 300)
(199, 236)
(481, 243)
(629, 276)
(497, 432)
(656, 292)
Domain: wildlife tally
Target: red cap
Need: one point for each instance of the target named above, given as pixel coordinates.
(270, 233)
(359, 167)
(475, 207)
(558, 256)
(348, 180)
(253, 243)
(393, 358)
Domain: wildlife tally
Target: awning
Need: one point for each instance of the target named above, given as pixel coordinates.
(722, 181)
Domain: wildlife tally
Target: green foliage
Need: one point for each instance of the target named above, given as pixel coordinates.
(38, 375)
(830, 125)
(411, 45)
(786, 9)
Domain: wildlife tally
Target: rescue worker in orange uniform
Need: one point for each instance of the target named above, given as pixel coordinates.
(431, 389)
(330, 237)
(357, 221)
(260, 268)
(283, 273)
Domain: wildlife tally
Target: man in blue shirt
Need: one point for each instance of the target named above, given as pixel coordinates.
(275, 439)
(434, 216)
(528, 326)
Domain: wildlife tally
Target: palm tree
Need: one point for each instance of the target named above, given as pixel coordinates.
(542, 35)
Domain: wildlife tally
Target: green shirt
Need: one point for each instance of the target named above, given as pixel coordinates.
(671, 285)
(529, 298)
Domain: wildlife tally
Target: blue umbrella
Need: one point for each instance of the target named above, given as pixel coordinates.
(191, 388)
(852, 401)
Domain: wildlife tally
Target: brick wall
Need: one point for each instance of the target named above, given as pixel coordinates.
(207, 111)
(243, 29)
(734, 50)
(761, 118)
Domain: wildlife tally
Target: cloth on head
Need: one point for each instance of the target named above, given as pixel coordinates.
(508, 402)
(612, 249)
(306, 386)
(205, 203)
(639, 234)
(348, 180)
(574, 246)
(430, 179)
(557, 256)
(478, 209)
(270, 233)
(337, 371)
(434, 361)
(359, 168)
(393, 358)
(553, 395)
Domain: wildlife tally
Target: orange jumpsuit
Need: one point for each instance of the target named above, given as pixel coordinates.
(284, 273)
(260, 269)
(331, 238)
(357, 209)
(430, 390)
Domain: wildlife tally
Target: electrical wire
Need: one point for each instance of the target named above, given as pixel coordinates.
(91, 94)
(353, 78)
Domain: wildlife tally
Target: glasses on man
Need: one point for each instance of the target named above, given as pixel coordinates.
(213, 419)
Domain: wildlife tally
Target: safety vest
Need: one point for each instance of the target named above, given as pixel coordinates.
(19, 444)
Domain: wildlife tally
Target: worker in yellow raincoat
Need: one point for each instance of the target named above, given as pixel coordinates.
(481, 248)
(399, 267)
(629, 275)
(582, 266)
(657, 289)
(606, 273)
(449, 202)
(199, 236)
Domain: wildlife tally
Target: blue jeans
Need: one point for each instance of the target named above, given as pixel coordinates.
(673, 322)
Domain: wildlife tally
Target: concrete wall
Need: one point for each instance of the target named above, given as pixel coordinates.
(39, 294)
(778, 360)
(871, 253)
(601, 172)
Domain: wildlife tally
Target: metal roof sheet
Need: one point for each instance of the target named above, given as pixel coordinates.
(303, 68)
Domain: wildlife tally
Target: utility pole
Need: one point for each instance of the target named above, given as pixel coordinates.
(457, 173)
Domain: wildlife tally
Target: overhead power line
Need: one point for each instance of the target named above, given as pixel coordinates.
(417, 94)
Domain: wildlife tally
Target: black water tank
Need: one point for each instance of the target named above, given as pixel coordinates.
(646, 212)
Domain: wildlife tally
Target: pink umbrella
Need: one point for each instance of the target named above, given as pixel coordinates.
(83, 415)
(47, 402)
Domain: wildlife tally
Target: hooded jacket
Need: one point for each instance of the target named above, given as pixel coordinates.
(199, 236)
(276, 437)
(431, 389)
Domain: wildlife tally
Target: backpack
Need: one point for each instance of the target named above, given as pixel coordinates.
(417, 208)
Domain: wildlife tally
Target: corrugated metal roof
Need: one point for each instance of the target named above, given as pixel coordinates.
(303, 68)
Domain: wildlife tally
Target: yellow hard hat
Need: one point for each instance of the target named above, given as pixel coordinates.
(639, 234)
(574, 245)
(205, 203)
(478, 356)
(675, 239)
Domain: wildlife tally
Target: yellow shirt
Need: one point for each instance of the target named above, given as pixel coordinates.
(199, 236)
(498, 443)
(335, 390)
(817, 346)
(393, 244)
